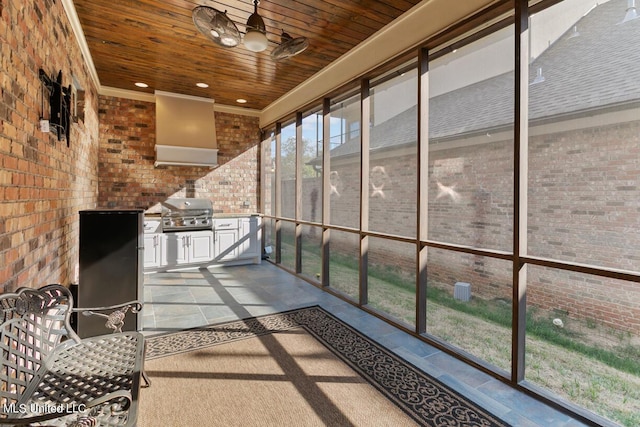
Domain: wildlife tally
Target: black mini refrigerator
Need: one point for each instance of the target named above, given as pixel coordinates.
(110, 265)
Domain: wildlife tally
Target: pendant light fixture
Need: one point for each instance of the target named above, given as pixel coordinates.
(218, 27)
(255, 38)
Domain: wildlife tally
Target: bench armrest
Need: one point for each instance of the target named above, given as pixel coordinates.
(114, 314)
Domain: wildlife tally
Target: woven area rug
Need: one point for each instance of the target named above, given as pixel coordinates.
(300, 367)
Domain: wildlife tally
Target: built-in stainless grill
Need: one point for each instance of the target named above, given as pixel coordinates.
(187, 214)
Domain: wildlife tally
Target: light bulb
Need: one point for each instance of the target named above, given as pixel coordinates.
(255, 41)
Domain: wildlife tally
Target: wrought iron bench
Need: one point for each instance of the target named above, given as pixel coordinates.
(50, 376)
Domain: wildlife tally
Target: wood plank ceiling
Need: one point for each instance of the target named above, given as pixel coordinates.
(156, 42)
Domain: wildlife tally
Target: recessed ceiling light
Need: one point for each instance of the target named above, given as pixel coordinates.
(203, 85)
(241, 101)
(140, 84)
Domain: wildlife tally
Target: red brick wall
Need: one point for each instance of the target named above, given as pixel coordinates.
(43, 183)
(584, 207)
(128, 178)
(584, 199)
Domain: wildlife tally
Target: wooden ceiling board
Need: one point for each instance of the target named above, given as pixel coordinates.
(156, 42)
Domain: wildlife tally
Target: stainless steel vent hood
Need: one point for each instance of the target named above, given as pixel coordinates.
(185, 130)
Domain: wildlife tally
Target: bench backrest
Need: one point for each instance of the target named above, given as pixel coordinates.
(34, 322)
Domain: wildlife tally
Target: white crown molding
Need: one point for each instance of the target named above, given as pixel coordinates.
(187, 97)
(232, 109)
(72, 15)
(127, 94)
(150, 97)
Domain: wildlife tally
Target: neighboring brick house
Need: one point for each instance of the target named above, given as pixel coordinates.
(583, 174)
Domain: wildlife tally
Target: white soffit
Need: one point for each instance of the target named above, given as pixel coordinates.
(410, 30)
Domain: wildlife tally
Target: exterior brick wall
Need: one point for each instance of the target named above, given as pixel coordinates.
(584, 199)
(128, 178)
(583, 207)
(43, 182)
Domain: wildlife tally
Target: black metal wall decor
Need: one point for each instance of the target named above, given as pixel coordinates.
(59, 105)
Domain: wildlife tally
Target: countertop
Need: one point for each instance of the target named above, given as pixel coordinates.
(158, 216)
(153, 222)
(234, 215)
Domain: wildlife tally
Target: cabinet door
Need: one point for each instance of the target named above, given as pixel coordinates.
(152, 250)
(226, 244)
(200, 246)
(177, 248)
(249, 241)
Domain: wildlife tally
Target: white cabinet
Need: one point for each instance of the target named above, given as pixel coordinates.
(250, 238)
(153, 249)
(189, 247)
(237, 239)
(233, 240)
(226, 239)
(201, 246)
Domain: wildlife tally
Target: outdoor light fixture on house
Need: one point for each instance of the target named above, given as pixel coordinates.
(219, 28)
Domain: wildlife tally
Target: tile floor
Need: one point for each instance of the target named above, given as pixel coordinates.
(178, 300)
